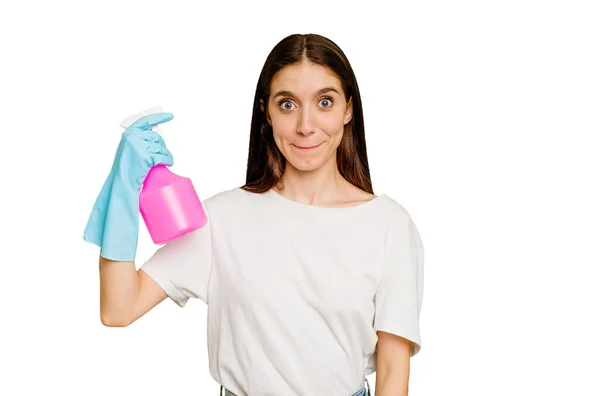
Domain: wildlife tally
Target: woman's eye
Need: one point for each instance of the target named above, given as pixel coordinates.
(286, 102)
(326, 100)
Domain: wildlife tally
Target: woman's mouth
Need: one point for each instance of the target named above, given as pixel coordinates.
(308, 148)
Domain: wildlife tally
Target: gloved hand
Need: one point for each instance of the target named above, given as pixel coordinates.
(113, 224)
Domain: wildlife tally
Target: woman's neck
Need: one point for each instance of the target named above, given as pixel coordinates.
(318, 187)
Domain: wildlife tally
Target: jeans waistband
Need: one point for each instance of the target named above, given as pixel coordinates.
(365, 390)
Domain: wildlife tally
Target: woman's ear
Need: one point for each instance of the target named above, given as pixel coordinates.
(349, 112)
(262, 108)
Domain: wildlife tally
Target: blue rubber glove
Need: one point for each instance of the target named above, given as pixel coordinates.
(113, 224)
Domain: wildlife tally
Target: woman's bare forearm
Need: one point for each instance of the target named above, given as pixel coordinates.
(391, 383)
(119, 290)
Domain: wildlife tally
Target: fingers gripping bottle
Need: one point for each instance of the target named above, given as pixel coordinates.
(169, 203)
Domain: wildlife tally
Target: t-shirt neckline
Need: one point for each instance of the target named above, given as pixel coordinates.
(291, 202)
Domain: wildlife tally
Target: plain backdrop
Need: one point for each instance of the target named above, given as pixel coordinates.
(482, 119)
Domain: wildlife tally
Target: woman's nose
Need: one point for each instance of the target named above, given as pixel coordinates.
(305, 122)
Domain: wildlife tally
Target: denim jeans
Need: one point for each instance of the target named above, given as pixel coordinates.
(365, 390)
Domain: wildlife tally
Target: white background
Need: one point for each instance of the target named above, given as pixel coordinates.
(481, 118)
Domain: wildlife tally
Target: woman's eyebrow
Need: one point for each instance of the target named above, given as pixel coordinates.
(319, 92)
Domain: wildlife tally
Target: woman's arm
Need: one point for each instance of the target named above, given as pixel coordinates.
(393, 365)
(125, 294)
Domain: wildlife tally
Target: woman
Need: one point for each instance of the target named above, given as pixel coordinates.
(312, 281)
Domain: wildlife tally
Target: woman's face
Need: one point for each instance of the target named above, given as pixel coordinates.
(307, 109)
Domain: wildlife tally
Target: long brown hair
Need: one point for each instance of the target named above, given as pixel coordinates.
(266, 163)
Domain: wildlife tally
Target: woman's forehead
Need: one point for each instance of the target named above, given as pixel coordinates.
(304, 80)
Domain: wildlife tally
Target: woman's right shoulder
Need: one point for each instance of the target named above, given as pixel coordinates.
(226, 199)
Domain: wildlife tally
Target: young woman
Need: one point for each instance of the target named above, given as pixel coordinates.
(312, 281)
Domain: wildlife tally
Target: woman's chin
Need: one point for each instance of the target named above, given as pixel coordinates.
(305, 164)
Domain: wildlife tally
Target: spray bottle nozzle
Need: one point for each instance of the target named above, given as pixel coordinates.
(130, 120)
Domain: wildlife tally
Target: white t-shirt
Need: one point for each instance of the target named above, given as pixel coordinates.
(296, 292)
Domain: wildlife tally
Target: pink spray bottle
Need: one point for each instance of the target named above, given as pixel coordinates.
(169, 204)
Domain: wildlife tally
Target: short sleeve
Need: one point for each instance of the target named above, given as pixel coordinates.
(400, 292)
(182, 266)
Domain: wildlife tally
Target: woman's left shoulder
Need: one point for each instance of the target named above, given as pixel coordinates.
(393, 206)
(399, 216)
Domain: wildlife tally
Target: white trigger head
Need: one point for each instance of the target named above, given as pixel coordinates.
(130, 120)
